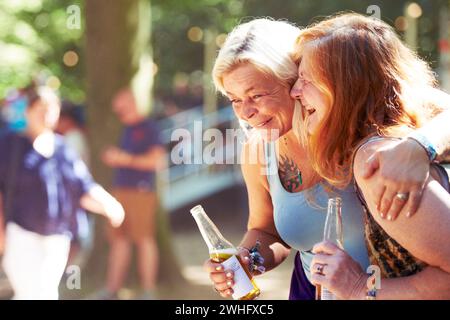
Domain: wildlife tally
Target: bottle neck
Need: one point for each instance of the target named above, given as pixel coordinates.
(333, 224)
(210, 233)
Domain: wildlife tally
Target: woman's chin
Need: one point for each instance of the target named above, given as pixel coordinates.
(269, 134)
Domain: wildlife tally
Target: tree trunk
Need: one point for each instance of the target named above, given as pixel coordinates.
(118, 54)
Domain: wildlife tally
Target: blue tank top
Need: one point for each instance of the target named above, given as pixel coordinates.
(300, 217)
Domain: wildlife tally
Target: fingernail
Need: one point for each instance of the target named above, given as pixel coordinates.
(229, 283)
(389, 217)
(219, 268)
(383, 215)
(408, 214)
(229, 275)
(246, 258)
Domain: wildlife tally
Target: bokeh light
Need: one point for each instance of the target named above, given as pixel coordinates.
(70, 58)
(42, 20)
(414, 10)
(220, 39)
(180, 79)
(53, 82)
(401, 23)
(195, 34)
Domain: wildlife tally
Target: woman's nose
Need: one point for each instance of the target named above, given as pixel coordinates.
(296, 89)
(246, 111)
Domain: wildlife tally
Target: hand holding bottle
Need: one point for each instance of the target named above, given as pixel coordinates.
(340, 273)
(227, 258)
(223, 279)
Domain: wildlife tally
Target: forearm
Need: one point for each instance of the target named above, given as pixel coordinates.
(272, 249)
(149, 161)
(429, 284)
(437, 131)
(96, 200)
(141, 162)
(99, 201)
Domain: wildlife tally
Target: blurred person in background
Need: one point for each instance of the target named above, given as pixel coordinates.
(139, 155)
(42, 182)
(71, 125)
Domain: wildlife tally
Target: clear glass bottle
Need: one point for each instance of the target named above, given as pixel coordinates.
(334, 234)
(222, 251)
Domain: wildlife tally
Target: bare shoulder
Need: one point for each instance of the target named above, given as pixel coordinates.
(253, 163)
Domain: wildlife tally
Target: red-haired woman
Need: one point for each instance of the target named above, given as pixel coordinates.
(361, 89)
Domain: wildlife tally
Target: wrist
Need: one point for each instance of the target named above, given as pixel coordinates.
(256, 263)
(359, 291)
(425, 143)
(127, 159)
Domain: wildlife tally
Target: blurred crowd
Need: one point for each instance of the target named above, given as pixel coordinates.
(46, 191)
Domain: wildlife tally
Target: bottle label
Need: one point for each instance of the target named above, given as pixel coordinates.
(327, 295)
(242, 284)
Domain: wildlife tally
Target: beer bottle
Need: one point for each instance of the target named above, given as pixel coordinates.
(332, 233)
(222, 251)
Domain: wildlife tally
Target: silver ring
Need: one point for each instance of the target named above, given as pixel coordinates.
(319, 268)
(402, 196)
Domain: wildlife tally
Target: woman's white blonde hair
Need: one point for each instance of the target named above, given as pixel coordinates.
(265, 43)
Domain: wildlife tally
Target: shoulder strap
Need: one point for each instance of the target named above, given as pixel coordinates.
(271, 160)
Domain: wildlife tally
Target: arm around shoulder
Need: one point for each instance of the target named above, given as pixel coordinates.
(425, 235)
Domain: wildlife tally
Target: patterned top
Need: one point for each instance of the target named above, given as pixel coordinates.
(394, 260)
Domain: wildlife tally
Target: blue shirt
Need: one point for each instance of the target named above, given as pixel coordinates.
(47, 191)
(300, 217)
(138, 139)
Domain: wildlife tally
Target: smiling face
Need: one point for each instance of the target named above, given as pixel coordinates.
(315, 102)
(259, 99)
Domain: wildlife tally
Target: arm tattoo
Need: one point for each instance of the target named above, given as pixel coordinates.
(290, 174)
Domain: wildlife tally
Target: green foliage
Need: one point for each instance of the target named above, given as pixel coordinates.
(175, 53)
(34, 35)
(33, 41)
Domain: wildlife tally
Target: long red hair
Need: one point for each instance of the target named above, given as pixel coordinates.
(373, 82)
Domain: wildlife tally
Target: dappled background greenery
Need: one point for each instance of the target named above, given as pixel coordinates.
(89, 64)
(34, 36)
(33, 41)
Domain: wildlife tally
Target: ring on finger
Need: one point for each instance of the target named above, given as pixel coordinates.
(319, 268)
(402, 196)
